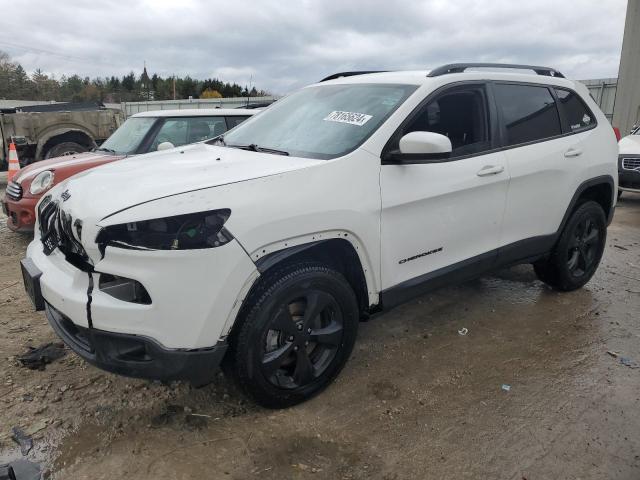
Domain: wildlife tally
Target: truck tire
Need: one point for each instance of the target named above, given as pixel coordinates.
(65, 148)
(293, 335)
(576, 256)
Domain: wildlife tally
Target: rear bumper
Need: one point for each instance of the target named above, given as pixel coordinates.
(21, 215)
(135, 355)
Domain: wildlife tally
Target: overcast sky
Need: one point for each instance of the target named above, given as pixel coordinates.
(286, 44)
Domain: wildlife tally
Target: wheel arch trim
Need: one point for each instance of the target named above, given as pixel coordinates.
(57, 132)
(592, 182)
(271, 254)
(268, 255)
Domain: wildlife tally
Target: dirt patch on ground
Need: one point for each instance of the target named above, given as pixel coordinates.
(417, 400)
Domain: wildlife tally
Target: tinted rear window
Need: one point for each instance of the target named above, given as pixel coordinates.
(529, 113)
(576, 112)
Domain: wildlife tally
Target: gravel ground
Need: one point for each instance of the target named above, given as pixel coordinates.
(416, 400)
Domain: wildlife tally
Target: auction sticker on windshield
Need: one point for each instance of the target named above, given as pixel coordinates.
(351, 118)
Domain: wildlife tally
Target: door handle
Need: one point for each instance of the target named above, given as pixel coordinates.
(490, 170)
(573, 152)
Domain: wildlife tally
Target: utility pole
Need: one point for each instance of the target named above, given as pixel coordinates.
(174, 87)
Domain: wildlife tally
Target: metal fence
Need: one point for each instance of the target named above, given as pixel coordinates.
(603, 90)
(130, 108)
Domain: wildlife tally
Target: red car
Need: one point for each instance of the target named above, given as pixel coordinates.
(141, 133)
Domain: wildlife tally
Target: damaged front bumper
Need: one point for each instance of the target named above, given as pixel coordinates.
(177, 333)
(137, 356)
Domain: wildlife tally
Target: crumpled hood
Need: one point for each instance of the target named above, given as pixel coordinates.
(67, 161)
(100, 192)
(629, 145)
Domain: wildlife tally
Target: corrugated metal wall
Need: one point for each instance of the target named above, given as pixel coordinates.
(603, 90)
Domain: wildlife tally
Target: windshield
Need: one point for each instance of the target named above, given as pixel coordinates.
(324, 122)
(127, 138)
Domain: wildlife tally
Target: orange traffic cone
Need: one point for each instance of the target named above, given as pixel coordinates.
(14, 164)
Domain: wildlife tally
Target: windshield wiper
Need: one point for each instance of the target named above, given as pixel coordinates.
(256, 148)
(219, 140)
(103, 149)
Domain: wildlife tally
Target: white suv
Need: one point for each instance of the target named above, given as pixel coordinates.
(261, 250)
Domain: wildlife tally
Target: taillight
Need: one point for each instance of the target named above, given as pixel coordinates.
(616, 130)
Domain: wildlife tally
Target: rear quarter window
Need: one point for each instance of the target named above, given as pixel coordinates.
(529, 113)
(577, 114)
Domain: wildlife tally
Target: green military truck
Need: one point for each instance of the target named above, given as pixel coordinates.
(52, 130)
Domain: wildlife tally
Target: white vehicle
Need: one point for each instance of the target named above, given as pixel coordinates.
(264, 248)
(629, 163)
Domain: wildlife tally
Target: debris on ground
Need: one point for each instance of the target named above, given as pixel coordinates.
(36, 358)
(196, 420)
(463, 331)
(506, 387)
(22, 439)
(621, 247)
(7, 473)
(21, 469)
(627, 362)
(167, 417)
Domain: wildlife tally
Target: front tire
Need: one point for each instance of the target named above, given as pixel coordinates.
(294, 334)
(576, 256)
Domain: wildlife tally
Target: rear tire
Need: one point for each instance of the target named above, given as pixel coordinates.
(293, 335)
(65, 148)
(576, 256)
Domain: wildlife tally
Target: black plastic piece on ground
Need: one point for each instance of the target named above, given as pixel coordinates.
(21, 469)
(461, 67)
(7, 473)
(37, 357)
(22, 439)
(136, 355)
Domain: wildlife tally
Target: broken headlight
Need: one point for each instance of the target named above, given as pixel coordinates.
(181, 232)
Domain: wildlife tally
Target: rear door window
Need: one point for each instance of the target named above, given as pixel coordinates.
(577, 114)
(529, 113)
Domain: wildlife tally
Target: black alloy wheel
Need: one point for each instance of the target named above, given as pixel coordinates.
(577, 254)
(302, 340)
(294, 334)
(583, 247)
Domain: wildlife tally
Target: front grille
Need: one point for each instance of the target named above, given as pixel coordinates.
(14, 190)
(47, 216)
(631, 163)
(56, 231)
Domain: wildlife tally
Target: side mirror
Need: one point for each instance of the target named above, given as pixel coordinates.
(426, 143)
(165, 146)
(420, 147)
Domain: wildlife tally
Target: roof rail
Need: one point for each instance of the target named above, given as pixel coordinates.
(350, 74)
(461, 67)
